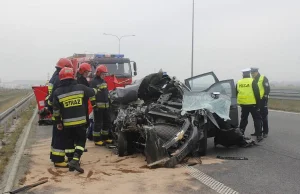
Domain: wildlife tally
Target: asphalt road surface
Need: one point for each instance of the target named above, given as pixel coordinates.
(272, 167)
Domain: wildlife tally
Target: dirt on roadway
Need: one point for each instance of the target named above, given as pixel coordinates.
(105, 172)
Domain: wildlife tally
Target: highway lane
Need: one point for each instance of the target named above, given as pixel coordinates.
(273, 165)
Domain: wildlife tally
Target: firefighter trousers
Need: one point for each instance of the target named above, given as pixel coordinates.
(75, 141)
(57, 153)
(102, 124)
(246, 110)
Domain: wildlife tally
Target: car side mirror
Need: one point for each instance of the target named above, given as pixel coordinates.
(134, 68)
(215, 95)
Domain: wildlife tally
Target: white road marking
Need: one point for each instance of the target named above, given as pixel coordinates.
(281, 111)
(209, 181)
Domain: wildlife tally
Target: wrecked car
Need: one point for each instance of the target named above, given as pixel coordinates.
(168, 120)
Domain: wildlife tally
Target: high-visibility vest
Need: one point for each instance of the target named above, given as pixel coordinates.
(245, 92)
(261, 86)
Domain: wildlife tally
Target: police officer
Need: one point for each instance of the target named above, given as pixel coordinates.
(101, 108)
(57, 154)
(248, 98)
(264, 89)
(69, 111)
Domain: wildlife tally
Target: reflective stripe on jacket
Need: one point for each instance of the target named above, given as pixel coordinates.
(260, 86)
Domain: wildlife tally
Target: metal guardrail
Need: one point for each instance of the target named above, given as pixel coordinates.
(285, 94)
(14, 109)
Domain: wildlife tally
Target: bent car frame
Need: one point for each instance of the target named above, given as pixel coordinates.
(168, 120)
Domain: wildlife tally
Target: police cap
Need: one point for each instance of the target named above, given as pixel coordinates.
(247, 70)
(254, 69)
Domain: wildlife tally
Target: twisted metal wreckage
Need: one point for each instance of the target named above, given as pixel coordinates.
(168, 120)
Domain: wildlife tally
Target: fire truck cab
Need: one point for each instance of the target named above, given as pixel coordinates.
(122, 69)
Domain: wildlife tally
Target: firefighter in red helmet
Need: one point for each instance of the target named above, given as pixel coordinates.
(83, 73)
(57, 153)
(69, 111)
(101, 108)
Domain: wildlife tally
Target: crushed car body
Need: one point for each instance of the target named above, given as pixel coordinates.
(168, 120)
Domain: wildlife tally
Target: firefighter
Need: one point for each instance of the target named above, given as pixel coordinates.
(83, 73)
(57, 154)
(264, 89)
(249, 99)
(69, 111)
(101, 109)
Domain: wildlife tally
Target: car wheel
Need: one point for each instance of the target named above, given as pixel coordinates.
(130, 144)
(203, 142)
(122, 144)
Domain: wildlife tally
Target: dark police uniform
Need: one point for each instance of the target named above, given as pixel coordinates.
(248, 98)
(69, 109)
(264, 89)
(101, 111)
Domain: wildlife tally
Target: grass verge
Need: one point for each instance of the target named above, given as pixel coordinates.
(11, 97)
(285, 105)
(8, 149)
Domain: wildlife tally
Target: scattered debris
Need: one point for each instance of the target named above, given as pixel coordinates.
(232, 158)
(22, 180)
(28, 187)
(129, 171)
(90, 174)
(53, 172)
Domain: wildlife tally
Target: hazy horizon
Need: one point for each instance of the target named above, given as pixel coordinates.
(229, 36)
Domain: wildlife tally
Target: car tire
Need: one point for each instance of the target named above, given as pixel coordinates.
(203, 142)
(122, 144)
(130, 145)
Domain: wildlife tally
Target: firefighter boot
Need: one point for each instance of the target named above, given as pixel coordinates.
(61, 164)
(71, 169)
(109, 141)
(99, 143)
(74, 164)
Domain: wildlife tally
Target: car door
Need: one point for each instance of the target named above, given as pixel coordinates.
(201, 82)
(227, 87)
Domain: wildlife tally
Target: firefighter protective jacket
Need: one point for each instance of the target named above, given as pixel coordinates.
(82, 80)
(68, 103)
(52, 81)
(102, 97)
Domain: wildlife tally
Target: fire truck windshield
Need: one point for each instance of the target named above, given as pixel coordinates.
(119, 69)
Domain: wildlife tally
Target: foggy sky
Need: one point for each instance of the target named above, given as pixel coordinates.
(230, 35)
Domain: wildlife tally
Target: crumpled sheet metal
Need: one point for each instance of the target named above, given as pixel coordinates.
(203, 100)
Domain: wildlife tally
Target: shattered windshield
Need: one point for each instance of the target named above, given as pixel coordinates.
(204, 100)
